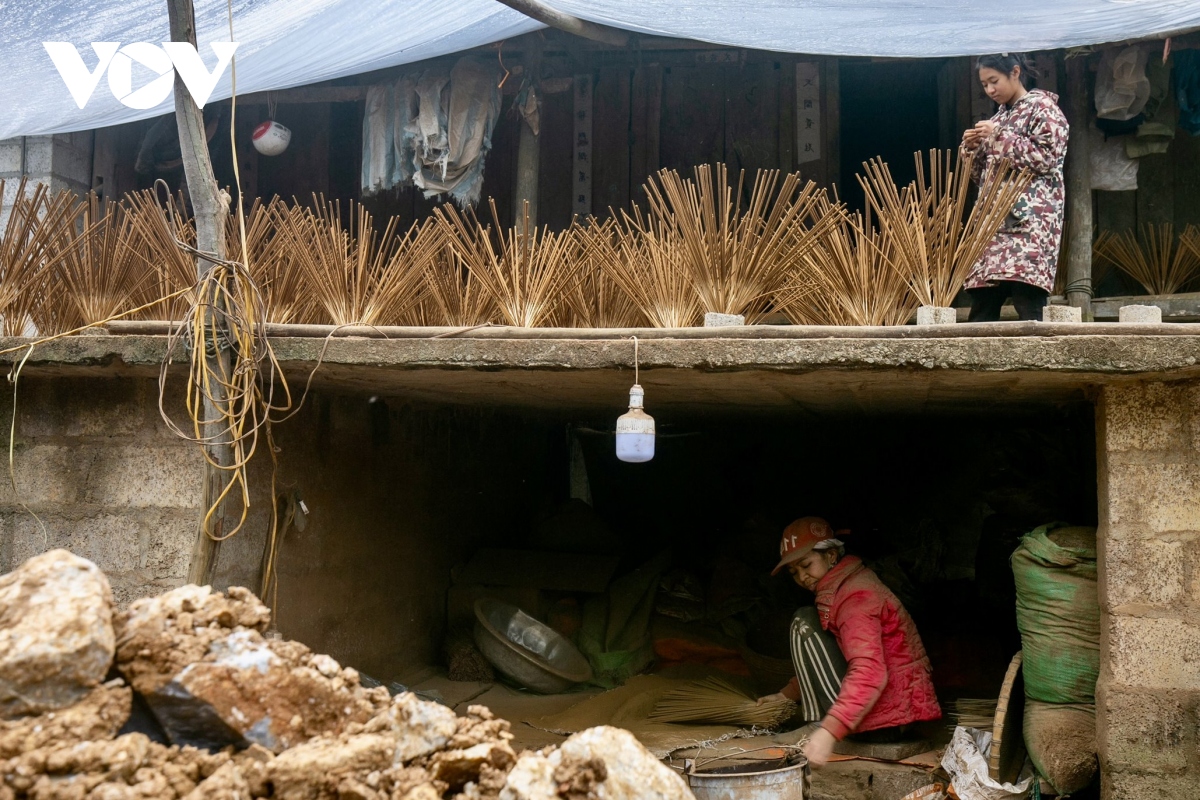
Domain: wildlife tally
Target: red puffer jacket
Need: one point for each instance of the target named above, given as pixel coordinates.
(887, 679)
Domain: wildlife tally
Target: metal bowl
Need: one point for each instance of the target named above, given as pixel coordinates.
(530, 653)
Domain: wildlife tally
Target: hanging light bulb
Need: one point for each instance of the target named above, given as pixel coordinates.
(635, 428)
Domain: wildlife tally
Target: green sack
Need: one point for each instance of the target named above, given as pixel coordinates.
(1061, 740)
(1058, 613)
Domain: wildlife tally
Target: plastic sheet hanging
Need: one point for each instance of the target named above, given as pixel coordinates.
(966, 760)
(1122, 87)
(433, 128)
(1112, 168)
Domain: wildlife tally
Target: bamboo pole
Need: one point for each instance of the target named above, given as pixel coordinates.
(209, 210)
(565, 22)
(1079, 190)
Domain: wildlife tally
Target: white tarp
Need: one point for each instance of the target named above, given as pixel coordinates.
(281, 44)
(285, 43)
(895, 28)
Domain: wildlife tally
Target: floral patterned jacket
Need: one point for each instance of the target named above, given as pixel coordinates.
(1032, 134)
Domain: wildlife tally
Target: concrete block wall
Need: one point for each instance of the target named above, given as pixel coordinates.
(61, 161)
(105, 478)
(1148, 697)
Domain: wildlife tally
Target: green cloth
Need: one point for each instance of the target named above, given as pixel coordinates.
(615, 632)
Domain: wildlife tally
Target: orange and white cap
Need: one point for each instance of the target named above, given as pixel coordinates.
(800, 538)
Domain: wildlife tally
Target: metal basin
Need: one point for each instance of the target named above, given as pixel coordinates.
(763, 781)
(530, 653)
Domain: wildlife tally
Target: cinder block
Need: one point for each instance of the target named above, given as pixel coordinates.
(1154, 653)
(47, 475)
(110, 541)
(1147, 416)
(132, 586)
(714, 320)
(1147, 731)
(1062, 314)
(936, 315)
(101, 407)
(1160, 496)
(167, 544)
(1140, 315)
(147, 477)
(1148, 572)
(1120, 785)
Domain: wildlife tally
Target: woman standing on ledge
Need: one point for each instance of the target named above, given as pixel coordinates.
(1029, 130)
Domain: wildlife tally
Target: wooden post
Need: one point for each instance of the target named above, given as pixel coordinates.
(210, 210)
(528, 162)
(1079, 189)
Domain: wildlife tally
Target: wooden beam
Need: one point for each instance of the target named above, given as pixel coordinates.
(565, 22)
(528, 147)
(1079, 189)
(210, 210)
(306, 94)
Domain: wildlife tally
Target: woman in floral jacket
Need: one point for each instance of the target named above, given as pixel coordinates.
(1029, 130)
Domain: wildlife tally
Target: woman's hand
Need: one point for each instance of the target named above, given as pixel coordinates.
(778, 697)
(985, 130)
(970, 140)
(819, 748)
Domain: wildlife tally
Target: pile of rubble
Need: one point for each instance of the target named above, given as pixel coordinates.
(182, 696)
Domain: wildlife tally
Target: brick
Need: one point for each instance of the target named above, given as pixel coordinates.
(110, 541)
(1154, 653)
(1147, 731)
(1149, 572)
(1162, 496)
(1146, 416)
(1133, 786)
(146, 477)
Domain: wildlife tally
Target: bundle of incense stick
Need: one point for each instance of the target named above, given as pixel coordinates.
(973, 713)
(1156, 259)
(714, 701)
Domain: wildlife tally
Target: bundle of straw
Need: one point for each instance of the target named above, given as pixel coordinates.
(935, 240)
(734, 257)
(1156, 260)
(98, 271)
(525, 270)
(714, 701)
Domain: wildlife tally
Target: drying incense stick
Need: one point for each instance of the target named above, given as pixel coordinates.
(98, 271)
(973, 713)
(647, 263)
(453, 295)
(597, 300)
(714, 701)
(736, 258)
(936, 241)
(356, 276)
(526, 270)
(1156, 260)
(36, 219)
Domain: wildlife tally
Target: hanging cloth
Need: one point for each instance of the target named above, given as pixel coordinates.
(1187, 90)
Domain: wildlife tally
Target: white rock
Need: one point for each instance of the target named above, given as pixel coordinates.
(56, 633)
(420, 726)
(633, 771)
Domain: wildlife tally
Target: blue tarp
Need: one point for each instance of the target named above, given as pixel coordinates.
(286, 43)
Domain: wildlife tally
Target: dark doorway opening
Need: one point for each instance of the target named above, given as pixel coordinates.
(888, 109)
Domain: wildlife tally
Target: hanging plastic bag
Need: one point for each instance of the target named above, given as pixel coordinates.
(966, 760)
(1122, 87)
(1112, 168)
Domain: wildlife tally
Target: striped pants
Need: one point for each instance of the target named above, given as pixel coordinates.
(819, 664)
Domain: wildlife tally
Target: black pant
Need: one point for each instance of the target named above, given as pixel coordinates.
(1027, 299)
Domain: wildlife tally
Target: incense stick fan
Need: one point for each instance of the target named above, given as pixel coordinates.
(714, 701)
(1156, 260)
